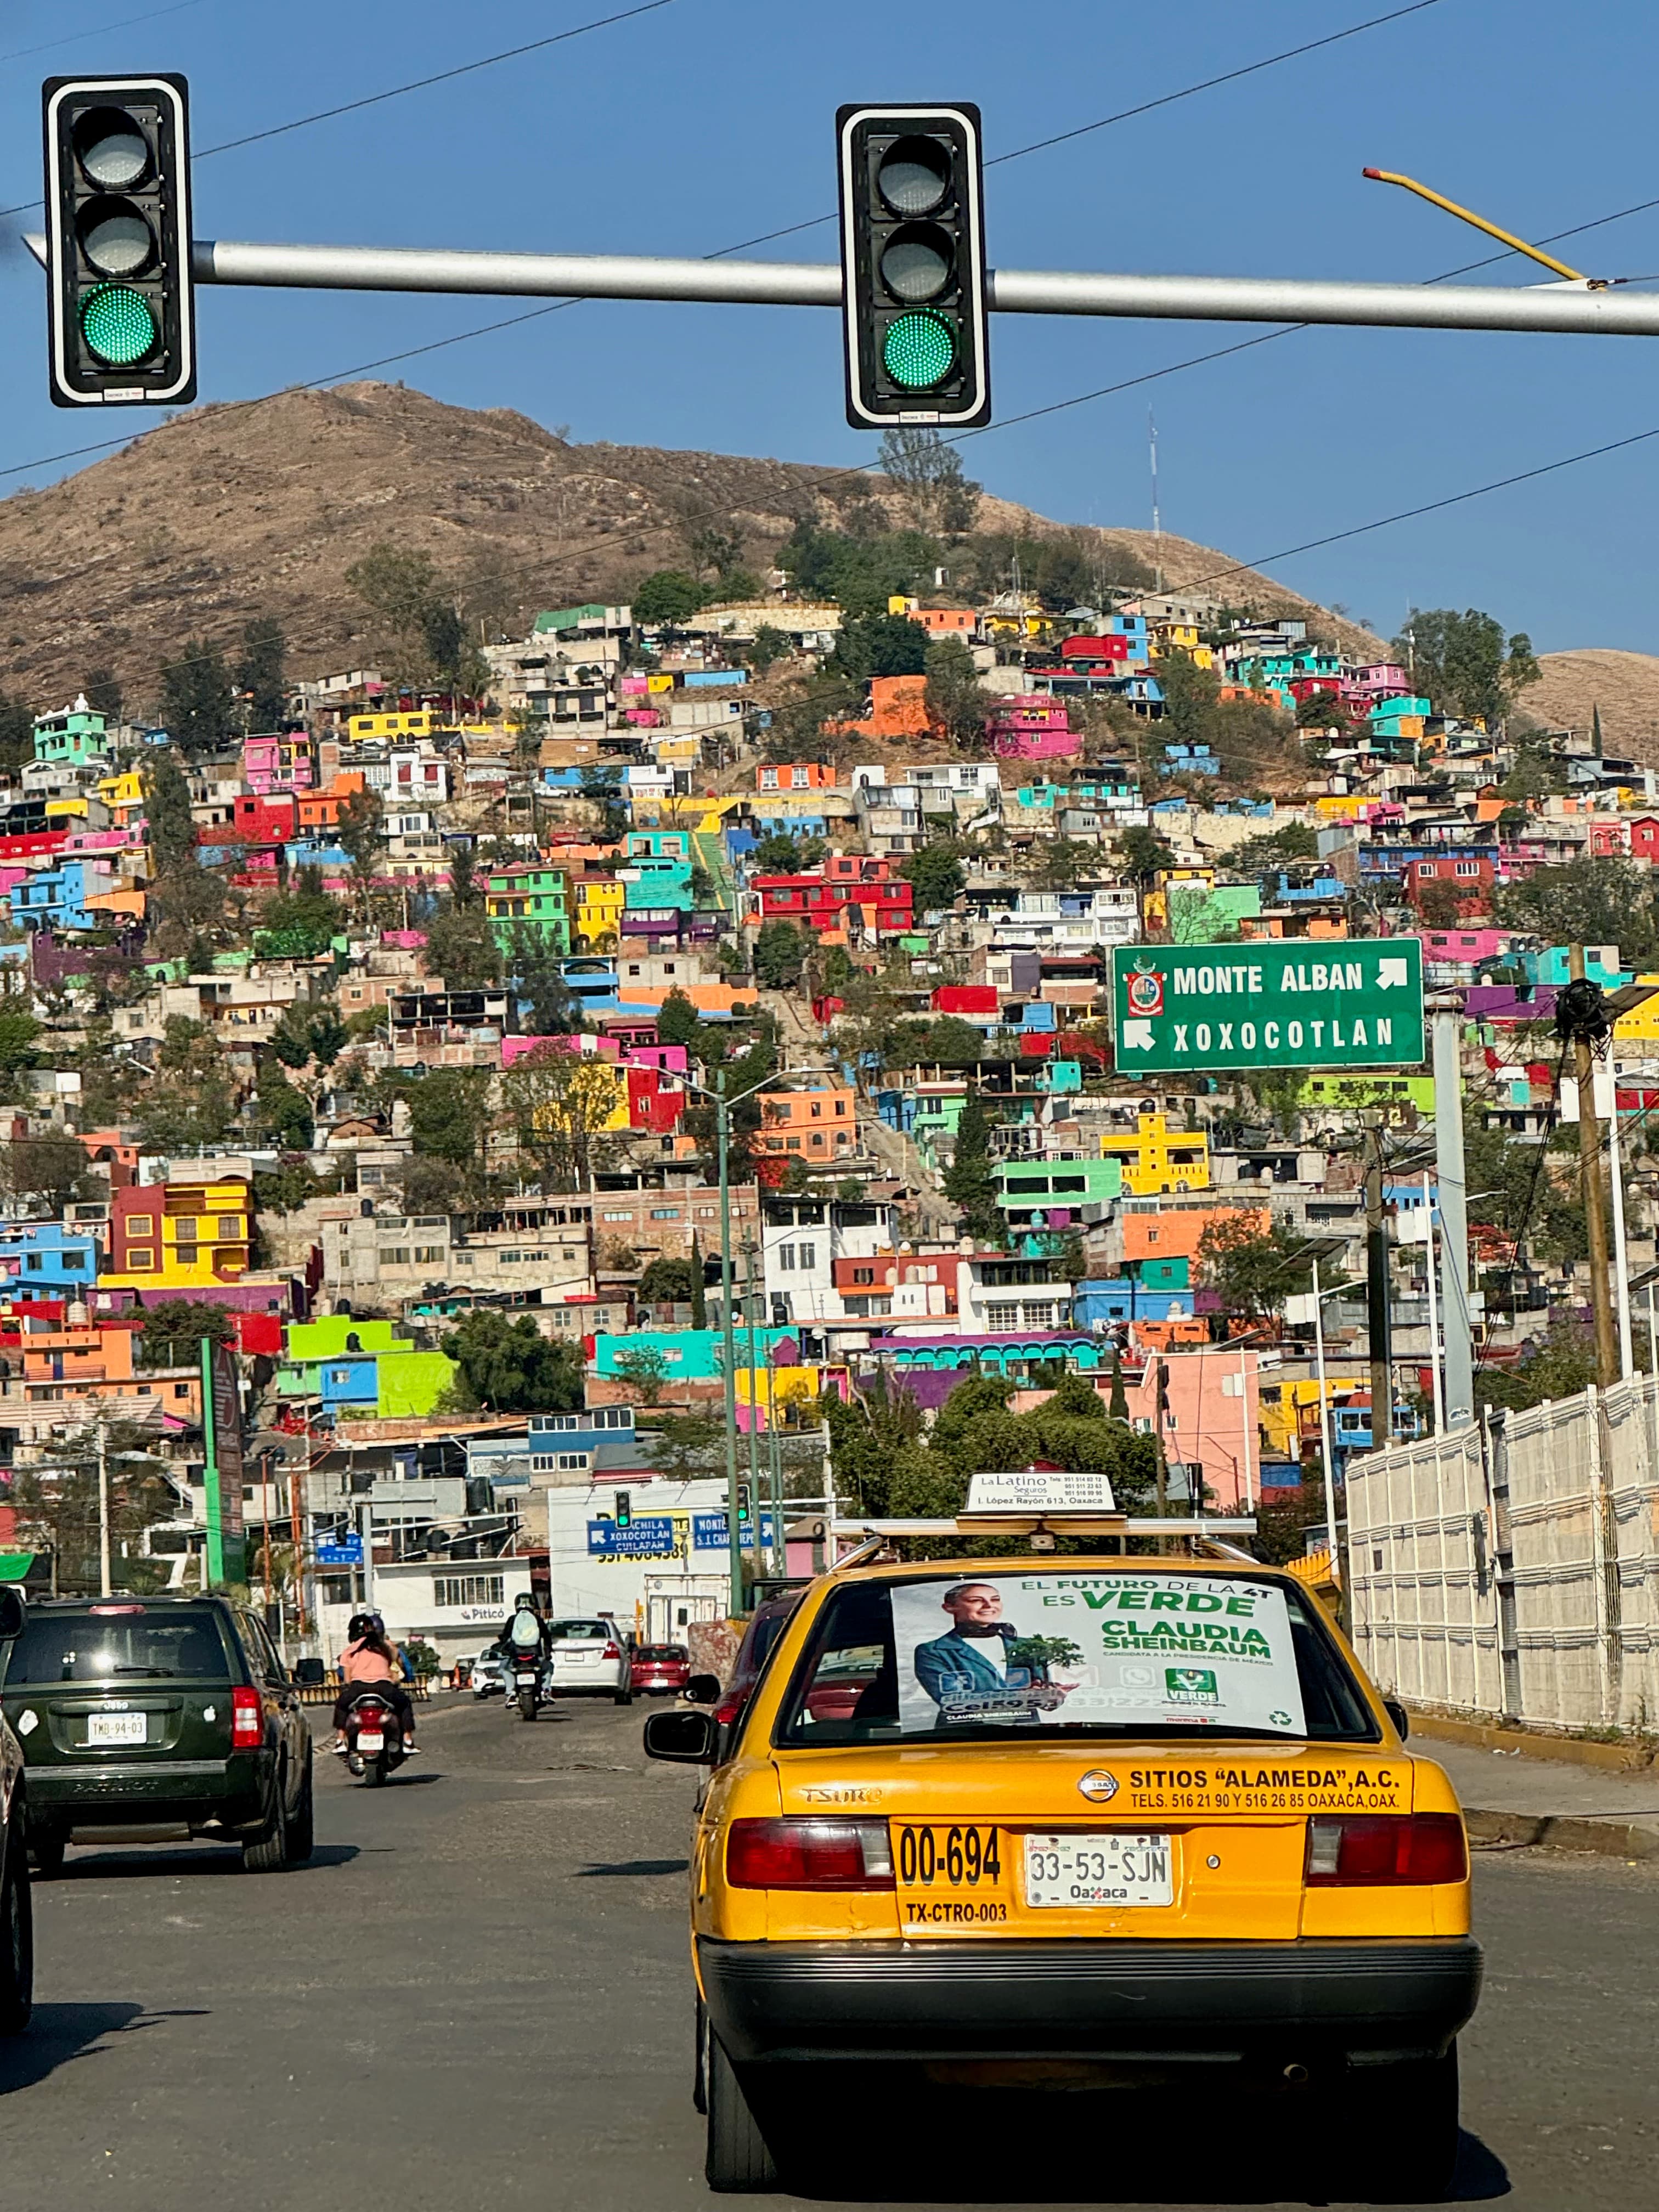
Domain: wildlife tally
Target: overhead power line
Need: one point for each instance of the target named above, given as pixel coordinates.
(97, 31)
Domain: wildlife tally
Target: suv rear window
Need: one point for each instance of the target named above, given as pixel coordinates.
(1106, 1653)
(139, 1643)
(581, 1631)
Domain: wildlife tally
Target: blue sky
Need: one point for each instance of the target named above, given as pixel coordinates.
(709, 120)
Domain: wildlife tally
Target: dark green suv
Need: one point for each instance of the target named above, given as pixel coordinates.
(158, 1713)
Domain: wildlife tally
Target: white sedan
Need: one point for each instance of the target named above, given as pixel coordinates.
(591, 1657)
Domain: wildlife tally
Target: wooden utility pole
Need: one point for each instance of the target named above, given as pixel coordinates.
(1378, 1288)
(1592, 1191)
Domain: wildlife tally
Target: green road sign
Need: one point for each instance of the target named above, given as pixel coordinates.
(1200, 1008)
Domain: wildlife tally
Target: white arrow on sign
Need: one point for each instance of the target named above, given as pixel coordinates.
(1390, 972)
(1137, 1036)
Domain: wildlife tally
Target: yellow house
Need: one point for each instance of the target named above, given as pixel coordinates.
(1283, 1405)
(180, 1235)
(1154, 902)
(123, 795)
(1641, 1024)
(1179, 637)
(599, 909)
(1155, 1158)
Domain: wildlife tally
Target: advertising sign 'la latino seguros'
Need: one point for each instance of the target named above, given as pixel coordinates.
(1347, 1003)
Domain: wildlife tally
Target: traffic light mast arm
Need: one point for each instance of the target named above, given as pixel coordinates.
(1012, 291)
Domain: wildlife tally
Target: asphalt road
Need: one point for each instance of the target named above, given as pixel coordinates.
(477, 1994)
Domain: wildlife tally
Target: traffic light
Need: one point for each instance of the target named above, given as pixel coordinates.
(742, 1505)
(624, 1508)
(121, 303)
(913, 265)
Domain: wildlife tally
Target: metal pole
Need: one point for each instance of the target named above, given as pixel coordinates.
(733, 1539)
(1436, 1382)
(1325, 1419)
(1653, 1334)
(756, 1546)
(1244, 1419)
(1589, 1170)
(774, 1457)
(365, 1530)
(105, 1584)
(1621, 1256)
(1451, 1185)
(1379, 1318)
(1567, 308)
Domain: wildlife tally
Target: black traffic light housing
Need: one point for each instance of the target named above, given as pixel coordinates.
(624, 1508)
(742, 1505)
(912, 262)
(121, 301)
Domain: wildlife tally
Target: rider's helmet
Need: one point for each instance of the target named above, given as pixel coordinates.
(525, 1601)
(361, 1624)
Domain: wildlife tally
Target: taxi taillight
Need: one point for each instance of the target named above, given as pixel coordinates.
(1371, 1849)
(809, 1854)
(248, 1720)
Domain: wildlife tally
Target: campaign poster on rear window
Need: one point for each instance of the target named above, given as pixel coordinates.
(1117, 1650)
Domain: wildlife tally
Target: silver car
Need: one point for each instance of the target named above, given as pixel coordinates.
(591, 1656)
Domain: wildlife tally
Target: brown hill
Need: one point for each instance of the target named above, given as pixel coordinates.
(1624, 686)
(259, 509)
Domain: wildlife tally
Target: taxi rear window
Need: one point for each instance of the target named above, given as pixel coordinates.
(1097, 1653)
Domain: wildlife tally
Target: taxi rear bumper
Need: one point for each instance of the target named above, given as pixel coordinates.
(1318, 2002)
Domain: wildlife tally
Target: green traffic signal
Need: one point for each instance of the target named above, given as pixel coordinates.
(919, 350)
(119, 325)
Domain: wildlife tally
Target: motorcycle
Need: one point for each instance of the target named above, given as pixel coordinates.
(374, 1738)
(527, 1682)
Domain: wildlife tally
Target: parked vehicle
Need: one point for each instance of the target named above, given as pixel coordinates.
(590, 1658)
(374, 1736)
(16, 1901)
(159, 1712)
(760, 1639)
(661, 1670)
(488, 1679)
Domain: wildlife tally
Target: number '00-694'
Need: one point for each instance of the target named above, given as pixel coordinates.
(958, 1856)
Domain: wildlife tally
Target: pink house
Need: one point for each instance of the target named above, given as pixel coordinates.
(1214, 1418)
(1465, 943)
(284, 762)
(1030, 726)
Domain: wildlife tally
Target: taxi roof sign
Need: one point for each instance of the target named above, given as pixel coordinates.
(1046, 1491)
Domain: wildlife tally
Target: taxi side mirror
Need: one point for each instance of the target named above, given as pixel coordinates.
(690, 1738)
(702, 1690)
(12, 1614)
(1397, 1713)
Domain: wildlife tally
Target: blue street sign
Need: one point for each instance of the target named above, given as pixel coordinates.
(648, 1536)
(349, 1553)
(708, 1531)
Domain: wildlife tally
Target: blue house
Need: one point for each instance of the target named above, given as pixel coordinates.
(56, 898)
(45, 1260)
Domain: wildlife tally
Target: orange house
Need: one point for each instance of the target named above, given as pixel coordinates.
(945, 621)
(820, 1123)
(1177, 1233)
(93, 1365)
(320, 809)
(796, 775)
(898, 708)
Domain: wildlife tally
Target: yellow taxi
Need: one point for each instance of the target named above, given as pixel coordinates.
(1050, 1820)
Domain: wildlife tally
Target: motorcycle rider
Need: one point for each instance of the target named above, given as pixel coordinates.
(523, 1634)
(370, 1656)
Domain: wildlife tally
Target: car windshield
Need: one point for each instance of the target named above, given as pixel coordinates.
(580, 1631)
(1118, 1652)
(137, 1644)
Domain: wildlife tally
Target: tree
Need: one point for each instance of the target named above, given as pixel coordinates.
(18, 1032)
(1594, 900)
(678, 1023)
(298, 923)
(1461, 663)
(361, 830)
(449, 1113)
(768, 646)
(561, 1106)
(58, 1509)
(16, 734)
(1190, 694)
(687, 1445)
(465, 888)
(104, 694)
(168, 824)
(281, 1112)
(1276, 850)
(260, 672)
(398, 584)
(942, 498)
(782, 856)
(880, 645)
(665, 1282)
(534, 962)
(934, 874)
(1440, 905)
(511, 1368)
(667, 595)
(952, 1042)
(172, 1332)
(955, 699)
(1559, 1364)
(781, 953)
(971, 1181)
(1252, 1270)
(1143, 853)
(645, 1370)
(461, 947)
(50, 1166)
(1063, 863)
(196, 699)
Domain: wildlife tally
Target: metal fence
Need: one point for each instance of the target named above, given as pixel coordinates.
(1511, 1569)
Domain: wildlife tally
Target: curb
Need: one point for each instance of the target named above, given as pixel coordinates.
(1631, 1758)
(1613, 1839)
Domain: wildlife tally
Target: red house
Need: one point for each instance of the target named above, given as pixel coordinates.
(1471, 876)
(253, 818)
(885, 908)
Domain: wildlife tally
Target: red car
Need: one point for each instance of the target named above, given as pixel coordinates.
(661, 1669)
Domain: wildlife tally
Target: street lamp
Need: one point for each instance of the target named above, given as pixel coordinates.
(723, 1106)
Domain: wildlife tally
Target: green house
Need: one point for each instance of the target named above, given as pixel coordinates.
(530, 897)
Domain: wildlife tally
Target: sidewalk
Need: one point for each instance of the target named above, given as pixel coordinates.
(1522, 1800)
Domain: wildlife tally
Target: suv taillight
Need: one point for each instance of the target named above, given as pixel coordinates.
(809, 1854)
(1375, 1847)
(248, 1720)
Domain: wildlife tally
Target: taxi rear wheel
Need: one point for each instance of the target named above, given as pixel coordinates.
(1407, 2117)
(738, 2161)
